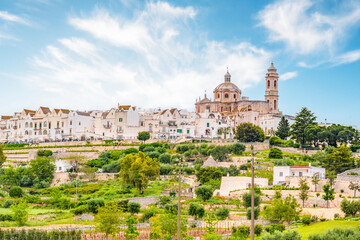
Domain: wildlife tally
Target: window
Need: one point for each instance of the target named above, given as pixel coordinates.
(226, 95)
(70, 123)
(268, 83)
(62, 124)
(234, 95)
(120, 119)
(188, 131)
(40, 126)
(57, 125)
(275, 83)
(49, 125)
(35, 125)
(142, 124)
(79, 123)
(274, 104)
(207, 124)
(281, 174)
(300, 174)
(218, 95)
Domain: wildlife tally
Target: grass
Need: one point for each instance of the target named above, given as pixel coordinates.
(31, 211)
(8, 153)
(322, 227)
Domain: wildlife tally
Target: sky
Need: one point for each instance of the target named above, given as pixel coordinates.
(87, 54)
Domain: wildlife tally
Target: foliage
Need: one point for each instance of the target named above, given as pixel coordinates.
(275, 153)
(130, 232)
(284, 162)
(2, 156)
(94, 204)
(353, 147)
(282, 209)
(355, 187)
(206, 173)
(304, 188)
(238, 148)
(248, 132)
(112, 167)
(350, 207)
(241, 232)
(204, 192)
(247, 200)
(138, 170)
(16, 192)
(20, 214)
(304, 119)
(329, 194)
(283, 130)
(256, 213)
(143, 136)
(164, 226)
(165, 158)
(275, 227)
(220, 153)
(306, 219)
(39, 234)
(171, 208)
(108, 219)
(337, 233)
(148, 213)
(184, 147)
(222, 213)
(7, 203)
(339, 160)
(134, 207)
(196, 210)
(258, 229)
(43, 168)
(44, 153)
(288, 235)
(315, 180)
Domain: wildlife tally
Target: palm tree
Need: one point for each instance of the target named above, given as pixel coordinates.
(315, 180)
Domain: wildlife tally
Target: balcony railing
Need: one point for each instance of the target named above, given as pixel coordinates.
(107, 126)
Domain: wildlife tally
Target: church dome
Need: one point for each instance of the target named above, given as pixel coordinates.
(227, 86)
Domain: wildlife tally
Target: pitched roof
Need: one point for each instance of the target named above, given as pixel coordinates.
(5, 117)
(210, 162)
(27, 111)
(300, 167)
(173, 110)
(83, 113)
(56, 110)
(45, 110)
(125, 107)
(66, 111)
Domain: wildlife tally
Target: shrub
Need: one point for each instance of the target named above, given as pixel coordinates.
(7, 203)
(306, 219)
(148, 214)
(256, 213)
(134, 207)
(16, 192)
(241, 231)
(204, 192)
(275, 227)
(32, 199)
(148, 149)
(354, 147)
(6, 217)
(275, 141)
(275, 153)
(165, 158)
(196, 210)
(247, 200)
(243, 167)
(113, 167)
(44, 153)
(237, 148)
(80, 210)
(296, 145)
(222, 213)
(258, 229)
(163, 200)
(94, 204)
(171, 208)
(288, 235)
(198, 161)
(153, 154)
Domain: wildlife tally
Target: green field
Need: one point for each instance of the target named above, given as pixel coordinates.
(31, 211)
(322, 227)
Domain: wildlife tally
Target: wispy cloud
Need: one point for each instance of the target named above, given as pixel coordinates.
(12, 18)
(305, 30)
(148, 60)
(288, 75)
(347, 57)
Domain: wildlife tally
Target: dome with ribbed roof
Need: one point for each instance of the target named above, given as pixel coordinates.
(227, 91)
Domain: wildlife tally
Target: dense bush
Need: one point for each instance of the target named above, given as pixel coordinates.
(284, 162)
(256, 213)
(148, 213)
(222, 213)
(241, 232)
(94, 204)
(183, 147)
(165, 158)
(354, 147)
(166, 169)
(337, 233)
(34, 234)
(247, 200)
(7, 203)
(204, 192)
(6, 217)
(80, 210)
(258, 229)
(275, 153)
(32, 199)
(196, 210)
(153, 154)
(44, 153)
(113, 167)
(237, 148)
(306, 219)
(275, 227)
(16, 192)
(275, 141)
(134, 207)
(288, 235)
(171, 208)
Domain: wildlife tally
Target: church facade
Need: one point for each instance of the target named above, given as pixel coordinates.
(229, 102)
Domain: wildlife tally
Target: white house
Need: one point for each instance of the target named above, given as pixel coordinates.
(229, 184)
(62, 166)
(281, 172)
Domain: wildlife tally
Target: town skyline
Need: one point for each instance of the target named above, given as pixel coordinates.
(151, 59)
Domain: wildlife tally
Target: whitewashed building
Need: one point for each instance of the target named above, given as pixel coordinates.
(282, 172)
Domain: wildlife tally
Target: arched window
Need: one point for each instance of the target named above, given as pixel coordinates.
(268, 83)
(45, 124)
(31, 125)
(218, 95)
(234, 96)
(26, 132)
(275, 83)
(226, 95)
(275, 104)
(44, 132)
(26, 125)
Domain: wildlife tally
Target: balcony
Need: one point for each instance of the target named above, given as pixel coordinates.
(120, 130)
(14, 127)
(107, 126)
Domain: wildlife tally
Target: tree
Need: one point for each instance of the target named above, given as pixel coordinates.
(196, 210)
(109, 219)
(355, 187)
(247, 200)
(138, 170)
(315, 180)
(134, 207)
(303, 190)
(339, 160)
(283, 130)
(76, 161)
(329, 194)
(222, 213)
(130, 232)
(275, 153)
(220, 153)
(2, 155)
(282, 209)
(248, 132)
(143, 136)
(238, 148)
(256, 213)
(204, 192)
(350, 208)
(43, 168)
(258, 229)
(205, 174)
(20, 214)
(164, 226)
(305, 118)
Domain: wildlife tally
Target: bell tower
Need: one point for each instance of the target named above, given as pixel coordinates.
(271, 92)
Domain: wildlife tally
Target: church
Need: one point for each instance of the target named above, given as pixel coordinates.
(229, 102)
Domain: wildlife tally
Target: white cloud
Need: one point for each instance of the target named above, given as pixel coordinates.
(288, 75)
(12, 18)
(305, 30)
(149, 61)
(347, 57)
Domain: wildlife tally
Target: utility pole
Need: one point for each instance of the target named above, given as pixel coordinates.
(179, 205)
(252, 194)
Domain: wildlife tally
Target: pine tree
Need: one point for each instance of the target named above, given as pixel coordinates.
(305, 118)
(283, 130)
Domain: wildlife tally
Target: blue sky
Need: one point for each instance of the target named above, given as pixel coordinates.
(94, 54)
